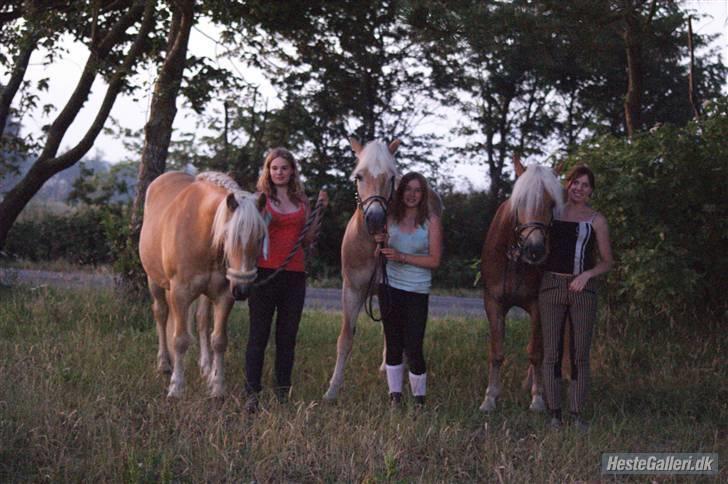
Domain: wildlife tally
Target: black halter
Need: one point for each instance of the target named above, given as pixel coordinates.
(523, 232)
(367, 203)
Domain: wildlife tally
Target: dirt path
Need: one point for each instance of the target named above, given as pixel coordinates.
(316, 298)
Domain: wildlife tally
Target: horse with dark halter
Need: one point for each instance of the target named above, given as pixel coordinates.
(199, 241)
(515, 247)
(375, 176)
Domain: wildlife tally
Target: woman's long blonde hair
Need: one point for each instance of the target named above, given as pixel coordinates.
(295, 187)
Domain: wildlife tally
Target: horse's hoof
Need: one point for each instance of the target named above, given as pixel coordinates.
(164, 368)
(537, 404)
(218, 392)
(488, 405)
(175, 390)
(330, 395)
(205, 371)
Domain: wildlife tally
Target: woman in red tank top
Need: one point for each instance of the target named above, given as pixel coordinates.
(286, 211)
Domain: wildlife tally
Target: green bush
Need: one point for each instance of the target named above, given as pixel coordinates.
(78, 237)
(664, 196)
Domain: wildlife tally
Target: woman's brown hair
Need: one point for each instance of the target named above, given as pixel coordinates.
(578, 171)
(398, 206)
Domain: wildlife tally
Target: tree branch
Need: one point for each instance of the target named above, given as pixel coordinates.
(115, 85)
(16, 78)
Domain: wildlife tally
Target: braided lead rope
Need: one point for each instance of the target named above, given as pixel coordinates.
(296, 246)
(369, 298)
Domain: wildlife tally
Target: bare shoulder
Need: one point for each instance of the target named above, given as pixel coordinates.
(435, 220)
(600, 222)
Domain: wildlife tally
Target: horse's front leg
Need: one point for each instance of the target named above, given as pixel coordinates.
(496, 318)
(179, 339)
(160, 310)
(351, 301)
(535, 358)
(216, 378)
(203, 317)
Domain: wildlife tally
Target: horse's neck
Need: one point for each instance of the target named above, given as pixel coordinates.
(503, 220)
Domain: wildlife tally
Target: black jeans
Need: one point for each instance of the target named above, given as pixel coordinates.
(404, 316)
(283, 295)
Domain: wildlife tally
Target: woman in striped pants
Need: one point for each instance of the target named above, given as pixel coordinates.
(568, 292)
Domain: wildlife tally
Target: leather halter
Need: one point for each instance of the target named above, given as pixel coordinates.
(367, 203)
(522, 233)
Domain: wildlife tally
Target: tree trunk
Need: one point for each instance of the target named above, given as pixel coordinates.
(158, 130)
(633, 97)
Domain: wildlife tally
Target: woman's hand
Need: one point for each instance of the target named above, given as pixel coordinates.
(579, 282)
(394, 255)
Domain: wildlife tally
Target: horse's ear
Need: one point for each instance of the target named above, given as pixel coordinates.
(231, 202)
(355, 145)
(260, 202)
(517, 164)
(393, 146)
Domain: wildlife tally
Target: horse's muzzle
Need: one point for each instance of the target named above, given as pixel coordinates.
(241, 283)
(241, 293)
(534, 254)
(375, 218)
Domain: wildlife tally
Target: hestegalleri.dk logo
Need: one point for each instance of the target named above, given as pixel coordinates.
(660, 463)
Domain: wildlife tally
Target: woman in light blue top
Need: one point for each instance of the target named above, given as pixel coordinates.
(412, 246)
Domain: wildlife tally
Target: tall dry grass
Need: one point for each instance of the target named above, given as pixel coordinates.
(80, 401)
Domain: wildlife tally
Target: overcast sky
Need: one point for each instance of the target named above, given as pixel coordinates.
(132, 113)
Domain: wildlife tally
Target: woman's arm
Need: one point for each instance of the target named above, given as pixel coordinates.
(430, 261)
(606, 260)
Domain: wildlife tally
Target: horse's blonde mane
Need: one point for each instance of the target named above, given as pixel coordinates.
(376, 158)
(244, 226)
(530, 187)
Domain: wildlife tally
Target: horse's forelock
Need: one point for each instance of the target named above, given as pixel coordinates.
(376, 159)
(233, 231)
(528, 192)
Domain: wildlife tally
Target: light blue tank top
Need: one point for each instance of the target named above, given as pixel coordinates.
(406, 276)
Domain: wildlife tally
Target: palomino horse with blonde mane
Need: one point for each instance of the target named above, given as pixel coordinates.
(514, 249)
(200, 240)
(375, 176)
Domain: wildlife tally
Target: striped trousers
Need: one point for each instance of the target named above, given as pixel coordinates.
(557, 305)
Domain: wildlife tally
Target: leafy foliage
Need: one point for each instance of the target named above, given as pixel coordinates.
(663, 195)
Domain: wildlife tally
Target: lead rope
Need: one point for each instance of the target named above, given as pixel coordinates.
(297, 245)
(369, 301)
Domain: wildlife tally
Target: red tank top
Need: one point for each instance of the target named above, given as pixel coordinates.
(283, 231)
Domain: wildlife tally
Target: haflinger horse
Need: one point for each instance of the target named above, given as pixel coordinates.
(515, 247)
(375, 176)
(200, 240)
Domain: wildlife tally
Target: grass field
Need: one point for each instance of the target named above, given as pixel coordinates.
(80, 401)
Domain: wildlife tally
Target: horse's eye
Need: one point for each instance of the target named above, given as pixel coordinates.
(358, 177)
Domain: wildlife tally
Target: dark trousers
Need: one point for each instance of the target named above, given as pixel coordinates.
(284, 295)
(557, 305)
(404, 316)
